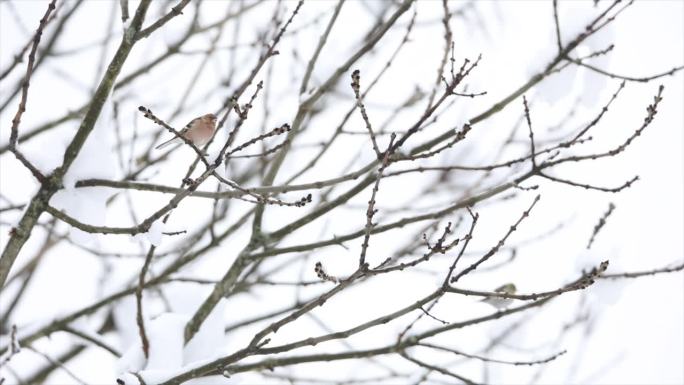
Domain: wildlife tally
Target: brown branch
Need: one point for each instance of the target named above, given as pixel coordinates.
(37, 204)
(273, 328)
(370, 211)
(467, 239)
(250, 271)
(321, 273)
(460, 135)
(437, 369)
(590, 29)
(600, 224)
(651, 111)
(19, 57)
(500, 244)
(275, 132)
(124, 10)
(595, 121)
(439, 248)
(14, 347)
(66, 218)
(587, 279)
(263, 154)
(58, 364)
(139, 318)
(211, 367)
(533, 152)
(175, 11)
(638, 274)
(485, 359)
(356, 87)
(24, 96)
(47, 50)
(644, 79)
(91, 339)
(457, 78)
(623, 186)
(321, 42)
(557, 24)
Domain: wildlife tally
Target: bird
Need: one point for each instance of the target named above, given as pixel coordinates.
(198, 131)
(499, 302)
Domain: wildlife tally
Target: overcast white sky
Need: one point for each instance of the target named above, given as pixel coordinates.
(638, 333)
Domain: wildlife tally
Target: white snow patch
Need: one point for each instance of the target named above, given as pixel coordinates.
(167, 353)
(128, 379)
(603, 291)
(583, 82)
(183, 297)
(212, 380)
(157, 376)
(209, 339)
(165, 334)
(607, 291)
(97, 158)
(154, 235)
(131, 361)
(124, 319)
(87, 205)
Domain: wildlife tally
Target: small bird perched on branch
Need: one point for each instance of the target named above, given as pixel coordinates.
(198, 131)
(499, 302)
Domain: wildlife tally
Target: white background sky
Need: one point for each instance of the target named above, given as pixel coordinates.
(638, 335)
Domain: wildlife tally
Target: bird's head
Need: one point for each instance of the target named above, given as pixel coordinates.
(508, 288)
(210, 118)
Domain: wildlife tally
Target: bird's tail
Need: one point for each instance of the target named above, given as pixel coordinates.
(168, 143)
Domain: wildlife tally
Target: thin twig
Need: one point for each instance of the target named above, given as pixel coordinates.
(600, 224)
(370, 212)
(139, 317)
(24, 95)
